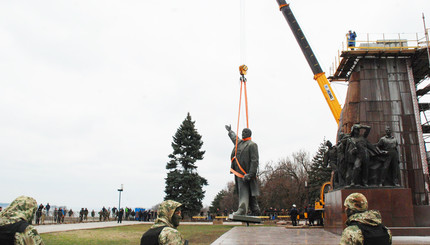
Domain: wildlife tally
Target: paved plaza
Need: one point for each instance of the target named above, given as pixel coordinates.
(256, 235)
(242, 235)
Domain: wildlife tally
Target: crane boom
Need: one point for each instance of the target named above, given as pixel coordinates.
(319, 75)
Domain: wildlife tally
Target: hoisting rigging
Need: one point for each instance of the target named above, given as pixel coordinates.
(243, 69)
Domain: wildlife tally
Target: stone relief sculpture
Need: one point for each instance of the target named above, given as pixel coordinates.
(358, 163)
(390, 167)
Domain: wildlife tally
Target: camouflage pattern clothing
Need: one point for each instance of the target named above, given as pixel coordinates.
(22, 208)
(352, 235)
(356, 202)
(169, 235)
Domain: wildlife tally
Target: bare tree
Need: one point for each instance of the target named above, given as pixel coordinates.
(283, 182)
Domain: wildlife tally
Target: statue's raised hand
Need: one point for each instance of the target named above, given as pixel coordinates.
(228, 127)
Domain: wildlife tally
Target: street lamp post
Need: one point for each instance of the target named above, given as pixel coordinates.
(120, 190)
(307, 198)
(307, 192)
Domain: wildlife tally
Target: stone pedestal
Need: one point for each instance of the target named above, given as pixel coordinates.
(395, 205)
(245, 218)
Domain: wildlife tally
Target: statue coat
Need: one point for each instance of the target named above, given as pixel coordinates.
(247, 155)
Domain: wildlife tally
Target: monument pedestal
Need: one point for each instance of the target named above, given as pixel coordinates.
(395, 205)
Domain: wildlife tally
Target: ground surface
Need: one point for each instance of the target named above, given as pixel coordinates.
(129, 232)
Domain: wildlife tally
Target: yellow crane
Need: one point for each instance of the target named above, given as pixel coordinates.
(319, 75)
(319, 205)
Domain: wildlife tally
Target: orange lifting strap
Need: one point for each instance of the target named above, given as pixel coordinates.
(243, 70)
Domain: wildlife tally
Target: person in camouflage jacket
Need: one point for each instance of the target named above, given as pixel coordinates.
(356, 209)
(22, 208)
(168, 217)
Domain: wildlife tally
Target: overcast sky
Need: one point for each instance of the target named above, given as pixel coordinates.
(91, 92)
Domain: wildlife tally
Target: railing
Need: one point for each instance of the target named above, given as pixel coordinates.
(383, 41)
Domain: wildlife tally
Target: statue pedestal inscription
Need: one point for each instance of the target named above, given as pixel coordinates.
(395, 205)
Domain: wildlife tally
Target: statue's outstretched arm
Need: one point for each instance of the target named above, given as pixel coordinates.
(231, 134)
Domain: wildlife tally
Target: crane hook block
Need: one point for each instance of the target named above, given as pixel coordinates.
(243, 69)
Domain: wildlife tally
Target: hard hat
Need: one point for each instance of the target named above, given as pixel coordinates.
(356, 202)
(294, 205)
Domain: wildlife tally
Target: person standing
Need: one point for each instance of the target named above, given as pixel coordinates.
(47, 209)
(351, 39)
(311, 215)
(38, 215)
(81, 215)
(363, 226)
(55, 215)
(59, 215)
(120, 214)
(244, 165)
(43, 216)
(293, 214)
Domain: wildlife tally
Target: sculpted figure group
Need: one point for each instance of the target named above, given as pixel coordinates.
(357, 162)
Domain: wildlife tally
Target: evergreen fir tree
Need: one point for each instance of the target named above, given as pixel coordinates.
(183, 183)
(319, 174)
(216, 203)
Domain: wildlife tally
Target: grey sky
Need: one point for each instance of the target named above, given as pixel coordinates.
(91, 92)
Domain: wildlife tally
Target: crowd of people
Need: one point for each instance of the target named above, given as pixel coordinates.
(59, 214)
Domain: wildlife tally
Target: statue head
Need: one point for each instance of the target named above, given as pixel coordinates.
(341, 136)
(355, 130)
(388, 130)
(328, 144)
(246, 133)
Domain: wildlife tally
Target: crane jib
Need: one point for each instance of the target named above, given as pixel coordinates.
(319, 75)
(330, 94)
(300, 37)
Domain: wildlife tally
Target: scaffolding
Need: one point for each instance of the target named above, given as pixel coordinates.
(377, 44)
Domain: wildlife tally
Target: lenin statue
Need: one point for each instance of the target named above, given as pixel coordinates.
(244, 165)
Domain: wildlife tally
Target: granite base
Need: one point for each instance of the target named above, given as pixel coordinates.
(395, 205)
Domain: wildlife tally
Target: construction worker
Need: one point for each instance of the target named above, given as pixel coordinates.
(164, 230)
(351, 39)
(364, 227)
(293, 214)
